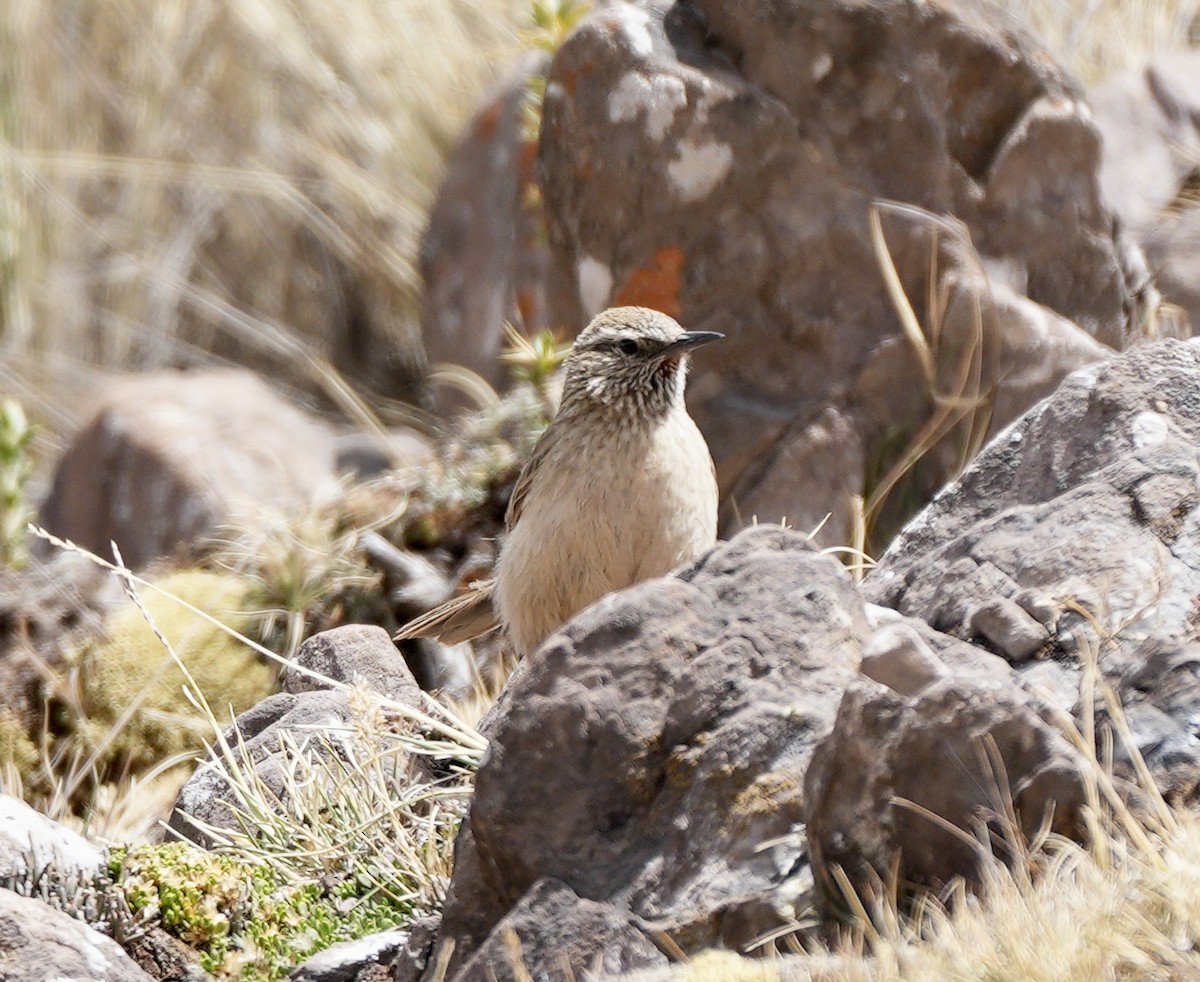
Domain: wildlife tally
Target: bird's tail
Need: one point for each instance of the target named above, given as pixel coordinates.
(459, 619)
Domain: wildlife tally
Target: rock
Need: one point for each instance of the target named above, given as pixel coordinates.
(413, 586)
(39, 943)
(482, 258)
(670, 725)
(355, 654)
(1150, 120)
(720, 162)
(30, 843)
(367, 959)
(908, 783)
(167, 458)
(210, 802)
(1080, 524)
(1172, 247)
(267, 736)
(552, 927)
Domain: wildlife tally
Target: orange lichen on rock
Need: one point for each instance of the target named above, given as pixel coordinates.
(655, 284)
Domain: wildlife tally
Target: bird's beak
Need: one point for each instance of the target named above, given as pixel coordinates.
(689, 340)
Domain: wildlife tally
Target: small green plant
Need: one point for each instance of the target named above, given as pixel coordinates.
(534, 359)
(552, 21)
(15, 513)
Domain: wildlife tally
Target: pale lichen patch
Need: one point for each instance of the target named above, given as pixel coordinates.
(698, 167)
(595, 285)
(657, 99)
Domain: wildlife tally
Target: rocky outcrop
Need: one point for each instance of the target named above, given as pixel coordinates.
(1074, 536)
(672, 725)
(937, 764)
(166, 459)
(720, 162)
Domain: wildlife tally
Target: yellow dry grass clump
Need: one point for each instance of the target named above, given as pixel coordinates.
(1097, 38)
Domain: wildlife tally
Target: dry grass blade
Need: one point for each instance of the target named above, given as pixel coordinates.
(908, 317)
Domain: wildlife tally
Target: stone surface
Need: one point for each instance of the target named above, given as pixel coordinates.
(483, 255)
(356, 654)
(1172, 247)
(368, 959)
(168, 457)
(909, 783)
(1080, 524)
(670, 725)
(1150, 121)
(552, 931)
(309, 717)
(31, 842)
(720, 161)
(38, 943)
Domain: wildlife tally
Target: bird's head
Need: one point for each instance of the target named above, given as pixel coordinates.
(633, 359)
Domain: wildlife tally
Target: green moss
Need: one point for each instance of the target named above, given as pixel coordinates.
(240, 916)
(131, 674)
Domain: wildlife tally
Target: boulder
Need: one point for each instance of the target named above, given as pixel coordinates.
(167, 458)
(266, 737)
(1150, 121)
(38, 943)
(934, 780)
(670, 725)
(1073, 537)
(721, 161)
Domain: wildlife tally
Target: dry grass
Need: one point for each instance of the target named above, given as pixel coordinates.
(1096, 38)
(187, 182)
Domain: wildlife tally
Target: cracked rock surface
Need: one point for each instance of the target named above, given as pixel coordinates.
(1075, 533)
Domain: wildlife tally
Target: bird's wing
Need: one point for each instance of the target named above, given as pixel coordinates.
(459, 619)
(528, 474)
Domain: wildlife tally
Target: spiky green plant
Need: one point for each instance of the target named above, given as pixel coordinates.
(15, 513)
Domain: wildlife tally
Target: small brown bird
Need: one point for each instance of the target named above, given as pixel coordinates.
(619, 488)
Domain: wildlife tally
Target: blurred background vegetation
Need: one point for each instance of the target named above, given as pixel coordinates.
(188, 182)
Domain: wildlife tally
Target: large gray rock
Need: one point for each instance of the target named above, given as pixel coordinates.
(310, 716)
(39, 943)
(648, 750)
(1076, 534)
(720, 161)
(649, 762)
(1150, 120)
(167, 458)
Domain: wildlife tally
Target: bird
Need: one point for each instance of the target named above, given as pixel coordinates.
(619, 488)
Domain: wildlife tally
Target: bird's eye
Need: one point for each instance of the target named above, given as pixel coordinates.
(627, 346)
